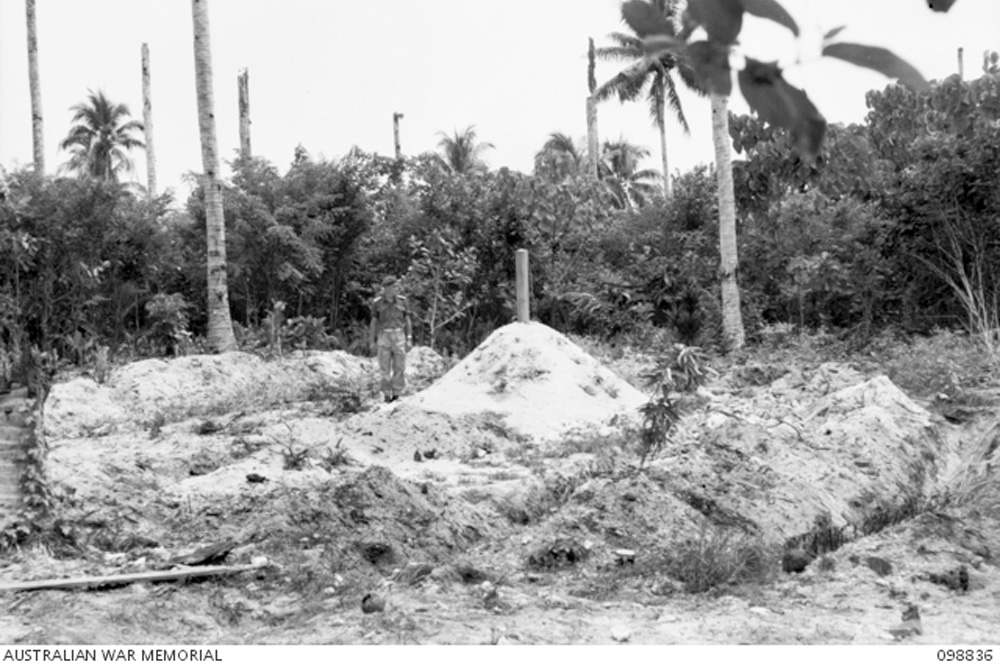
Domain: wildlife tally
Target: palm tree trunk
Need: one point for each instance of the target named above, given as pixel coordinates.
(243, 86)
(36, 90)
(593, 145)
(220, 324)
(147, 122)
(732, 318)
(668, 185)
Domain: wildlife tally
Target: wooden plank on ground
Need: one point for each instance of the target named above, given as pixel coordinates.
(121, 579)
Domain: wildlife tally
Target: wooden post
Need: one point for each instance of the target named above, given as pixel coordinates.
(243, 86)
(961, 64)
(523, 309)
(396, 116)
(147, 122)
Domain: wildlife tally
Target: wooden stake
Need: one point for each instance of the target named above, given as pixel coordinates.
(521, 266)
(961, 63)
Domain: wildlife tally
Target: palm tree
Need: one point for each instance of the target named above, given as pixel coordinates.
(220, 323)
(36, 90)
(462, 152)
(100, 140)
(619, 167)
(650, 76)
(559, 158)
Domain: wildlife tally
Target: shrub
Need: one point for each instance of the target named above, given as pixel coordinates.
(168, 331)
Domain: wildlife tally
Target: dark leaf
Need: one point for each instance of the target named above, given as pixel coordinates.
(783, 105)
(880, 60)
(940, 5)
(722, 19)
(770, 9)
(710, 61)
(830, 34)
(644, 19)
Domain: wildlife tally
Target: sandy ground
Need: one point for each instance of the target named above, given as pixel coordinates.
(488, 504)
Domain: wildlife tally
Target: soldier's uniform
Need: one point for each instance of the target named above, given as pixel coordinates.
(390, 320)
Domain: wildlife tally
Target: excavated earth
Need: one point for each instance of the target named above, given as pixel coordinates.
(500, 501)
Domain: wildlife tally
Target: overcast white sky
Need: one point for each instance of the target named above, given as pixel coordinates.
(330, 73)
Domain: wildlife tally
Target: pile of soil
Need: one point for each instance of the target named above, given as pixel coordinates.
(541, 383)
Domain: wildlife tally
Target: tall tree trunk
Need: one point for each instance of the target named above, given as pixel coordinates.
(147, 122)
(593, 147)
(36, 90)
(668, 185)
(243, 84)
(732, 318)
(220, 324)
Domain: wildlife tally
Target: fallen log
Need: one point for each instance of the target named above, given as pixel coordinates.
(123, 579)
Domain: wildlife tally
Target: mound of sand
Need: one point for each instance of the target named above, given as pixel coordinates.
(539, 382)
(209, 384)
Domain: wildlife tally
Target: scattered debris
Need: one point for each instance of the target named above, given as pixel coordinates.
(179, 574)
(213, 554)
(910, 625)
(956, 580)
(624, 557)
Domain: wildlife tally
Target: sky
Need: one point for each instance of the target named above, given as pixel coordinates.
(329, 74)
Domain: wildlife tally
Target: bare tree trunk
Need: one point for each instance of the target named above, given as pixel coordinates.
(593, 146)
(732, 318)
(243, 84)
(220, 324)
(147, 122)
(36, 90)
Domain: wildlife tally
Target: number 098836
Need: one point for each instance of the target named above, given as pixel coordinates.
(965, 655)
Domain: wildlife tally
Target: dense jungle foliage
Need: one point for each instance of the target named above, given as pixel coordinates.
(897, 224)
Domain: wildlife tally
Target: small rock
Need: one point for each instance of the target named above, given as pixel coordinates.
(372, 603)
(254, 478)
(259, 561)
(621, 634)
(880, 566)
(760, 611)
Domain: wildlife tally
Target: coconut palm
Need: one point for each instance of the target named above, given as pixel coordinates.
(619, 169)
(101, 138)
(462, 153)
(220, 323)
(559, 158)
(650, 76)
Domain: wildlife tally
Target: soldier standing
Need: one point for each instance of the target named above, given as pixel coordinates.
(392, 336)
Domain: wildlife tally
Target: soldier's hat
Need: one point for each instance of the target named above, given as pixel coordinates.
(389, 281)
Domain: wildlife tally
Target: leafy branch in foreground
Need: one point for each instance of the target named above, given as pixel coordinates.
(679, 371)
(762, 84)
